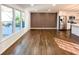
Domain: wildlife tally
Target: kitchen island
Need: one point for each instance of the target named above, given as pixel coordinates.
(75, 29)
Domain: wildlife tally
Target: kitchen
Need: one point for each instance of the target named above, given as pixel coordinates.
(69, 21)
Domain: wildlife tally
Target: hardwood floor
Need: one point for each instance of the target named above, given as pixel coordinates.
(44, 42)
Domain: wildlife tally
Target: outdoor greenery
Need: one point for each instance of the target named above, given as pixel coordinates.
(18, 22)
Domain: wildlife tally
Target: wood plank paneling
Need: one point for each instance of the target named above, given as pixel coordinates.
(43, 20)
(35, 20)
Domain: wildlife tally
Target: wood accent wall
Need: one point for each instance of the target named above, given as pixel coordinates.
(43, 20)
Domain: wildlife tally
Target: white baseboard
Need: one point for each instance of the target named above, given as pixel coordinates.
(43, 28)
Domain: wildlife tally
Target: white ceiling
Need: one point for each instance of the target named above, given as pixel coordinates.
(50, 7)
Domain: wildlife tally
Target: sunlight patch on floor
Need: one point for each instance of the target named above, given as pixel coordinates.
(68, 46)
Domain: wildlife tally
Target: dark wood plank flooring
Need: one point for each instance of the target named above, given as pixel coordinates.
(41, 42)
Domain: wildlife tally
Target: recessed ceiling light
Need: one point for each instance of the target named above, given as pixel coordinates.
(49, 9)
(35, 10)
(53, 4)
(32, 4)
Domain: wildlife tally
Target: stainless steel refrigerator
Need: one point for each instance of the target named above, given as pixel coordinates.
(62, 23)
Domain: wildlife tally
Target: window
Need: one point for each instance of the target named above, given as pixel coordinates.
(23, 21)
(7, 20)
(12, 20)
(17, 20)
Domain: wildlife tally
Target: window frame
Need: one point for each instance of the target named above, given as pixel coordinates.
(24, 17)
(13, 20)
(1, 17)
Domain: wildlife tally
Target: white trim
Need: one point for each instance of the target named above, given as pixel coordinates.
(0, 25)
(21, 18)
(8, 41)
(43, 28)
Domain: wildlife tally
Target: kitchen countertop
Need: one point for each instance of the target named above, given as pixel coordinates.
(75, 25)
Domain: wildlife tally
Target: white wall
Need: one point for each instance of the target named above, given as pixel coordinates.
(27, 17)
(57, 21)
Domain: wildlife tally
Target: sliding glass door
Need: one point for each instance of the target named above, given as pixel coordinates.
(7, 20)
